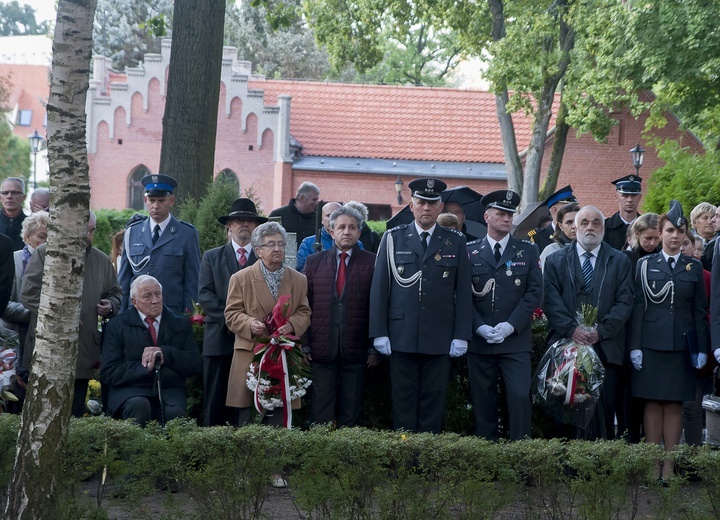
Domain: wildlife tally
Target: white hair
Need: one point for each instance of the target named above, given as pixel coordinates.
(137, 282)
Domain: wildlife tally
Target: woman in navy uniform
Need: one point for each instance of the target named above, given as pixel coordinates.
(668, 335)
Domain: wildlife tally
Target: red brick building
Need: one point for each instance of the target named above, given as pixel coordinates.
(353, 141)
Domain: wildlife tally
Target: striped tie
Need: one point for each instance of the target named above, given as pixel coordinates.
(587, 270)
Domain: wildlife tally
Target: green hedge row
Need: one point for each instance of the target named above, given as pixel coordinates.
(358, 473)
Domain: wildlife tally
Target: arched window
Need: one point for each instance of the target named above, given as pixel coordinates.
(228, 176)
(135, 190)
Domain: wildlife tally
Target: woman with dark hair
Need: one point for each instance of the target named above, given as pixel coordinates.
(668, 334)
(564, 231)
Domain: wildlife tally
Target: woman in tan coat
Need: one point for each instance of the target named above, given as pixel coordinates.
(252, 294)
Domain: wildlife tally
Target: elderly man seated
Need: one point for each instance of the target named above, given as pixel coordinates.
(146, 334)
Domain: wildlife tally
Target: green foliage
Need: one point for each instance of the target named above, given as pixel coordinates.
(687, 177)
(109, 222)
(16, 20)
(14, 154)
(379, 226)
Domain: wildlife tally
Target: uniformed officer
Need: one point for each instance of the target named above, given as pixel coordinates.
(506, 287)
(543, 237)
(420, 308)
(628, 192)
(163, 247)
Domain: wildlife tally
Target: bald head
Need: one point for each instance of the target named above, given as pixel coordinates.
(327, 210)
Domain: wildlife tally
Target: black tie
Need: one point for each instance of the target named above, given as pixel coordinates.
(498, 254)
(423, 239)
(156, 234)
(671, 262)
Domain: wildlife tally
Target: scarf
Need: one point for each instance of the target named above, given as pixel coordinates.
(273, 279)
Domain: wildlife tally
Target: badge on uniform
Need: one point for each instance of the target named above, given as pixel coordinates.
(437, 256)
(688, 267)
(400, 269)
(520, 253)
(517, 282)
(446, 274)
(509, 271)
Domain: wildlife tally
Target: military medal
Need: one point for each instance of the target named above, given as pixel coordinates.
(517, 282)
(509, 271)
(400, 269)
(437, 256)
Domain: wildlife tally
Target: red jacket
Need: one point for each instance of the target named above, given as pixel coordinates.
(320, 270)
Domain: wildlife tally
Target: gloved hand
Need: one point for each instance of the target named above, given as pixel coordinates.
(504, 329)
(716, 353)
(458, 347)
(489, 334)
(382, 345)
(702, 360)
(636, 358)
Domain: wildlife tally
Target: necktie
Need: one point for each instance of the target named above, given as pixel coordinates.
(243, 256)
(498, 254)
(156, 233)
(151, 329)
(342, 273)
(423, 238)
(587, 270)
(671, 262)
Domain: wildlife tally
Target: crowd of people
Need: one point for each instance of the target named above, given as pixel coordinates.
(422, 294)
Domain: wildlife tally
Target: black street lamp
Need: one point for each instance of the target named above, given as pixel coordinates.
(36, 141)
(637, 158)
(398, 188)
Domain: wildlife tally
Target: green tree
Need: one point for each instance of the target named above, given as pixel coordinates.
(17, 20)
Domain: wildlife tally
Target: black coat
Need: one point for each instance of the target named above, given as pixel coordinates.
(302, 224)
(616, 231)
(216, 268)
(515, 297)
(612, 294)
(124, 341)
(541, 237)
(7, 271)
(422, 321)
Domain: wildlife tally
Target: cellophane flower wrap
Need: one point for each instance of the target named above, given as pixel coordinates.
(569, 377)
(279, 372)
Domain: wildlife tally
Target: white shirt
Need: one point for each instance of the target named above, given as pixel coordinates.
(156, 323)
(667, 257)
(581, 254)
(162, 225)
(421, 230)
(247, 248)
(503, 243)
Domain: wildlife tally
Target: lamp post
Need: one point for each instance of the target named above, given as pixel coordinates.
(637, 158)
(398, 188)
(35, 143)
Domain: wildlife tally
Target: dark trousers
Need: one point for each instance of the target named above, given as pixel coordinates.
(337, 392)
(145, 409)
(419, 386)
(79, 393)
(483, 372)
(216, 372)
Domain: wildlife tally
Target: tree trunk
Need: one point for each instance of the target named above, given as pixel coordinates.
(193, 91)
(558, 151)
(38, 471)
(533, 160)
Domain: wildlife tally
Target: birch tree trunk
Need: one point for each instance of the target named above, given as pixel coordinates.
(193, 92)
(37, 474)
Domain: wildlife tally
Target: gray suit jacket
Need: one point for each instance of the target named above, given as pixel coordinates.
(216, 268)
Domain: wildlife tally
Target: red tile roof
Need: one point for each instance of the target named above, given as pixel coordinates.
(394, 122)
(30, 91)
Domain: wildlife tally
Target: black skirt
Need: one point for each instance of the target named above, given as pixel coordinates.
(665, 376)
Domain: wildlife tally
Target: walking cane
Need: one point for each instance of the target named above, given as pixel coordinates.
(158, 358)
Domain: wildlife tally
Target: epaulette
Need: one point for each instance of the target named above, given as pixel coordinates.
(187, 224)
(529, 242)
(531, 234)
(401, 226)
(474, 242)
(454, 231)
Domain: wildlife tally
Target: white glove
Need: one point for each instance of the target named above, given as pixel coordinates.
(504, 329)
(702, 360)
(716, 353)
(382, 345)
(489, 334)
(636, 358)
(458, 347)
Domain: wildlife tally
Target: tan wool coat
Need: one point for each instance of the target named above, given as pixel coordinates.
(249, 299)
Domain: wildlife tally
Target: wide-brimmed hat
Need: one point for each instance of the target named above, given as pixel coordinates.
(242, 209)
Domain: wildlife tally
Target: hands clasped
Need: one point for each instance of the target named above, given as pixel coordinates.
(148, 357)
(495, 334)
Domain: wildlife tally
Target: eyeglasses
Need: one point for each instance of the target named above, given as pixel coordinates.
(10, 192)
(274, 245)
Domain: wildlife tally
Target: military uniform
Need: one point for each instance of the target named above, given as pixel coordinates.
(616, 231)
(541, 237)
(421, 300)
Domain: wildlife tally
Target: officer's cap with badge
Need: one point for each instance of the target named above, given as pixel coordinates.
(504, 200)
(158, 185)
(675, 214)
(427, 189)
(630, 184)
(562, 196)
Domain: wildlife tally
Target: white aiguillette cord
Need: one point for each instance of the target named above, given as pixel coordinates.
(656, 297)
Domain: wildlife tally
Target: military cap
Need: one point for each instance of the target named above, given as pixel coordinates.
(675, 214)
(505, 200)
(158, 185)
(242, 209)
(564, 195)
(630, 184)
(427, 189)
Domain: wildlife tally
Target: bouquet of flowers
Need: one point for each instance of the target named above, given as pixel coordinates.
(279, 372)
(9, 344)
(569, 377)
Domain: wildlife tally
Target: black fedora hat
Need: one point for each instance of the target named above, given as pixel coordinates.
(242, 209)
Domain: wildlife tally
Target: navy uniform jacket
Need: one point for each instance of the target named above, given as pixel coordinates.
(616, 231)
(425, 317)
(663, 326)
(174, 260)
(541, 237)
(216, 268)
(515, 298)
(612, 294)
